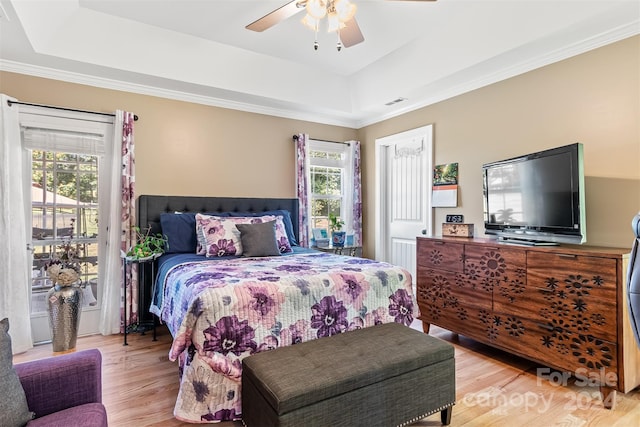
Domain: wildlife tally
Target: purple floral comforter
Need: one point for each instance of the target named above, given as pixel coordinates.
(220, 312)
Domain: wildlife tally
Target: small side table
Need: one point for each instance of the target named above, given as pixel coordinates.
(140, 262)
(350, 250)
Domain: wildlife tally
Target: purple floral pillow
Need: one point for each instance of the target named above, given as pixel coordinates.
(219, 236)
(281, 233)
(201, 222)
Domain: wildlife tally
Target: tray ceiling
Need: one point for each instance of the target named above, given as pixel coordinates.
(200, 51)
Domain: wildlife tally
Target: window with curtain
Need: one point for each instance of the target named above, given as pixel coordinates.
(67, 167)
(329, 183)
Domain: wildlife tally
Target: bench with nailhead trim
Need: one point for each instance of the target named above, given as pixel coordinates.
(385, 375)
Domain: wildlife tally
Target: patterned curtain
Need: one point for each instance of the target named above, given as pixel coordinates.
(356, 224)
(130, 297)
(302, 183)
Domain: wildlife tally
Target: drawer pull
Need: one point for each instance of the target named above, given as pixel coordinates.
(569, 256)
(438, 242)
(545, 326)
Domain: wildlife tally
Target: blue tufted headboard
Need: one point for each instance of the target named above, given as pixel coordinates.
(149, 208)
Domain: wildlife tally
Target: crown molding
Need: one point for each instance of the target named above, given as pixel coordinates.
(124, 86)
(623, 32)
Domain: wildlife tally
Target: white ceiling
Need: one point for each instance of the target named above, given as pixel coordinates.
(199, 51)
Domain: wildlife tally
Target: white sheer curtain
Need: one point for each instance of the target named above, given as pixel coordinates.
(111, 291)
(14, 277)
(15, 300)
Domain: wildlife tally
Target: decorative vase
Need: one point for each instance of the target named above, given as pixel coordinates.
(65, 307)
(337, 238)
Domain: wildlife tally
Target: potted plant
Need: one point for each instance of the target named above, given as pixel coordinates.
(147, 246)
(337, 235)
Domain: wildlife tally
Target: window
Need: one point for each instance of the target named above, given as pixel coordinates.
(329, 182)
(64, 209)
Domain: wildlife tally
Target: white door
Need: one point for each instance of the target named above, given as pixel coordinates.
(65, 166)
(403, 203)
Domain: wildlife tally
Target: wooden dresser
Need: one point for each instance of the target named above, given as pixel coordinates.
(562, 306)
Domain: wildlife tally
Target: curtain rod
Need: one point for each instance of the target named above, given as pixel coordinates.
(295, 138)
(10, 102)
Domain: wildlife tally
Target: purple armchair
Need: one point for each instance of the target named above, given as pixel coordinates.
(65, 390)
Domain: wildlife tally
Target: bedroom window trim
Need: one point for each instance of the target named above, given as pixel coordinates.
(84, 134)
(341, 163)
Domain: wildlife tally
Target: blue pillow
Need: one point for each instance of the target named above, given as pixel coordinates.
(286, 220)
(180, 229)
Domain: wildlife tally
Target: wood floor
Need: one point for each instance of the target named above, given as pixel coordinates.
(493, 388)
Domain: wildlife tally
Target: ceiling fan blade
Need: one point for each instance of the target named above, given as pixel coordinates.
(351, 35)
(275, 17)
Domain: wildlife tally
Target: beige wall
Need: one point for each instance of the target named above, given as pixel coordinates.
(191, 149)
(594, 98)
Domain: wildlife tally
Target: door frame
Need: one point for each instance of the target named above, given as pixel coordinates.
(73, 121)
(382, 238)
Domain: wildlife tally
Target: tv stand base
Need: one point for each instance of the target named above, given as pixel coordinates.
(525, 242)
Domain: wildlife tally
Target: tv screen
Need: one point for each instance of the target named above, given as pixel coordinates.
(537, 198)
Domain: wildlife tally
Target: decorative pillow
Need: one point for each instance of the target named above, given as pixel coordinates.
(211, 231)
(259, 239)
(180, 229)
(220, 236)
(281, 234)
(200, 220)
(286, 220)
(14, 410)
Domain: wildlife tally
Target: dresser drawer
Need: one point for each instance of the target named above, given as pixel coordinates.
(577, 292)
(548, 270)
(440, 254)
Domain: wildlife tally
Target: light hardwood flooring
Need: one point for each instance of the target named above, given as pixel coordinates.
(493, 388)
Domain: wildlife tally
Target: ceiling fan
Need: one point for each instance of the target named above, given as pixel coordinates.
(340, 18)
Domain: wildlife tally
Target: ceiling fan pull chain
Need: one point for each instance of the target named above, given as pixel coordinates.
(339, 45)
(315, 42)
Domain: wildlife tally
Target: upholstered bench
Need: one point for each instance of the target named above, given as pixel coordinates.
(385, 375)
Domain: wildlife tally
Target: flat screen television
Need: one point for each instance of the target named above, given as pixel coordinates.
(537, 198)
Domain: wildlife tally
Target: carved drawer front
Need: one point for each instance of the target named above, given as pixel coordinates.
(447, 300)
(599, 272)
(556, 346)
(441, 255)
(450, 290)
(575, 293)
(498, 269)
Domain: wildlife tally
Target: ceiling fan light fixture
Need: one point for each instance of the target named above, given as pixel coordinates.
(310, 22)
(345, 9)
(317, 8)
(333, 22)
(338, 13)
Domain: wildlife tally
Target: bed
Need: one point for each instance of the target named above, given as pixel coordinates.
(222, 306)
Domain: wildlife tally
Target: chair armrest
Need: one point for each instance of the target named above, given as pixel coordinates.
(56, 383)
